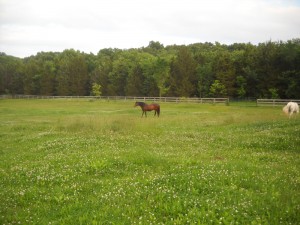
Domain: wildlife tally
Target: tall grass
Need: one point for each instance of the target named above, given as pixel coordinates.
(96, 162)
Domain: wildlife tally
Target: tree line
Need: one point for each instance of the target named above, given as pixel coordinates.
(240, 70)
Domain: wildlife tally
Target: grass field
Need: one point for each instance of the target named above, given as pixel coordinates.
(96, 162)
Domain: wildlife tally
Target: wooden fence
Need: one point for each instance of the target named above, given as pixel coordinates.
(275, 102)
(126, 98)
(259, 102)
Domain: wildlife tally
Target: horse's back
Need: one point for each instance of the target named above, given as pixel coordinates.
(153, 106)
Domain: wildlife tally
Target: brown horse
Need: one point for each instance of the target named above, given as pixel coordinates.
(145, 107)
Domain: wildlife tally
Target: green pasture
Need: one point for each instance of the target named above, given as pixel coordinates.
(97, 162)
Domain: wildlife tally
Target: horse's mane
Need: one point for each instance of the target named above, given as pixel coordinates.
(141, 103)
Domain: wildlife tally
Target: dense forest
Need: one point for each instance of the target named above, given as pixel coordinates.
(241, 70)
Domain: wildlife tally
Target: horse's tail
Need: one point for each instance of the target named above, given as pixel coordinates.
(158, 110)
(293, 107)
(297, 107)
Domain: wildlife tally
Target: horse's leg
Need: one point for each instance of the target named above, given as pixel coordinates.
(154, 112)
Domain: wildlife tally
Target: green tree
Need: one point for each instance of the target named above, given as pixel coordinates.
(183, 79)
(267, 69)
(241, 83)
(40, 74)
(48, 72)
(161, 75)
(205, 55)
(154, 48)
(96, 89)
(103, 67)
(11, 75)
(135, 81)
(245, 70)
(273, 93)
(72, 74)
(249, 70)
(217, 89)
(31, 77)
(225, 71)
(205, 79)
(121, 68)
(289, 84)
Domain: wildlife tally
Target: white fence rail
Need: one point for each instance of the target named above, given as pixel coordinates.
(275, 102)
(259, 102)
(126, 98)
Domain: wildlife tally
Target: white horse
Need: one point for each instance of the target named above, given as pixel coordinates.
(290, 108)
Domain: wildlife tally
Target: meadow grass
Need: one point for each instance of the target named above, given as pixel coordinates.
(97, 162)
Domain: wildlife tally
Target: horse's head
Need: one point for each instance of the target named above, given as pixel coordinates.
(137, 104)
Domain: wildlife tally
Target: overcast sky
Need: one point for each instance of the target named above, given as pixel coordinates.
(31, 26)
